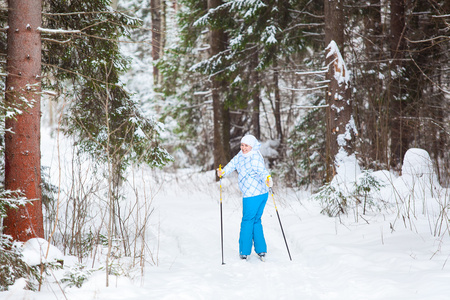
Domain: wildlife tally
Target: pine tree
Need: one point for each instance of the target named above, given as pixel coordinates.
(397, 94)
(218, 43)
(81, 60)
(22, 138)
(91, 63)
(340, 132)
(187, 92)
(157, 12)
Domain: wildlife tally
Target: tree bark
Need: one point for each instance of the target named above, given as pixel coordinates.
(399, 132)
(217, 40)
(334, 23)
(256, 100)
(376, 119)
(156, 12)
(339, 109)
(277, 105)
(22, 147)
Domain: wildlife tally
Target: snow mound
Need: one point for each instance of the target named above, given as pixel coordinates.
(417, 162)
(347, 169)
(418, 175)
(417, 191)
(35, 252)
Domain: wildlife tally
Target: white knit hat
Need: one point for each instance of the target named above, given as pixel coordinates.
(249, 140)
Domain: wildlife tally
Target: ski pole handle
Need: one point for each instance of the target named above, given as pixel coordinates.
(220, 182)
(220, 174)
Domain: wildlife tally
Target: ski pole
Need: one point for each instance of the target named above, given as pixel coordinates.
(221, 219)
(279, 220)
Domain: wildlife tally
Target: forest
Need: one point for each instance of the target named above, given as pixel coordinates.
(171, 86)
(263, 67)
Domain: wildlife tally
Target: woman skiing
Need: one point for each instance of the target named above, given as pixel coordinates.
(254, 183)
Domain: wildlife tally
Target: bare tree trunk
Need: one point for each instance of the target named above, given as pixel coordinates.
(220, 113)
(254, 80)
(334, 23)
(163, 34)
(238, 125)
(156, 11)
(376, 118)
(399, 132)
(277, 105)
(339, 108)
(22, 148)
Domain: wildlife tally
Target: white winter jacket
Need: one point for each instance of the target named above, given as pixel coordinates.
(252, 173)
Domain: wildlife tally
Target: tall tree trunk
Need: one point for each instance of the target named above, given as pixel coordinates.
(217, 40)
(376, 118)
(156, 11)
(277, 106)
(238, 125)
(22, 147)
(334, 23)
(399, 132)
(256, 100)
(163, 33)
(339, 109)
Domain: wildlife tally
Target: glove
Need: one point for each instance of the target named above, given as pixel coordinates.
(220, 172)
(269, 181)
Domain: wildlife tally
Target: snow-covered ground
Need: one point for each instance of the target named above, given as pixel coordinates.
(382, 256)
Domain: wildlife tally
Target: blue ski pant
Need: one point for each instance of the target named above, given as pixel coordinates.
(251, 227)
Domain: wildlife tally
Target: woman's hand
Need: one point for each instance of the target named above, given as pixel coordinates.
(220, 172)
(269, 181)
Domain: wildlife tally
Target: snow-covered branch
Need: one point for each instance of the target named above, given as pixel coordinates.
(341, 74)
(50, 93)
(304, 107)
(57, 31)
(311, 72)
(441, 16)
(57, 41)
(429, 40)
(306, 13)
(304, 90)
(202, 93)
(307, 25)
(206, 47)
